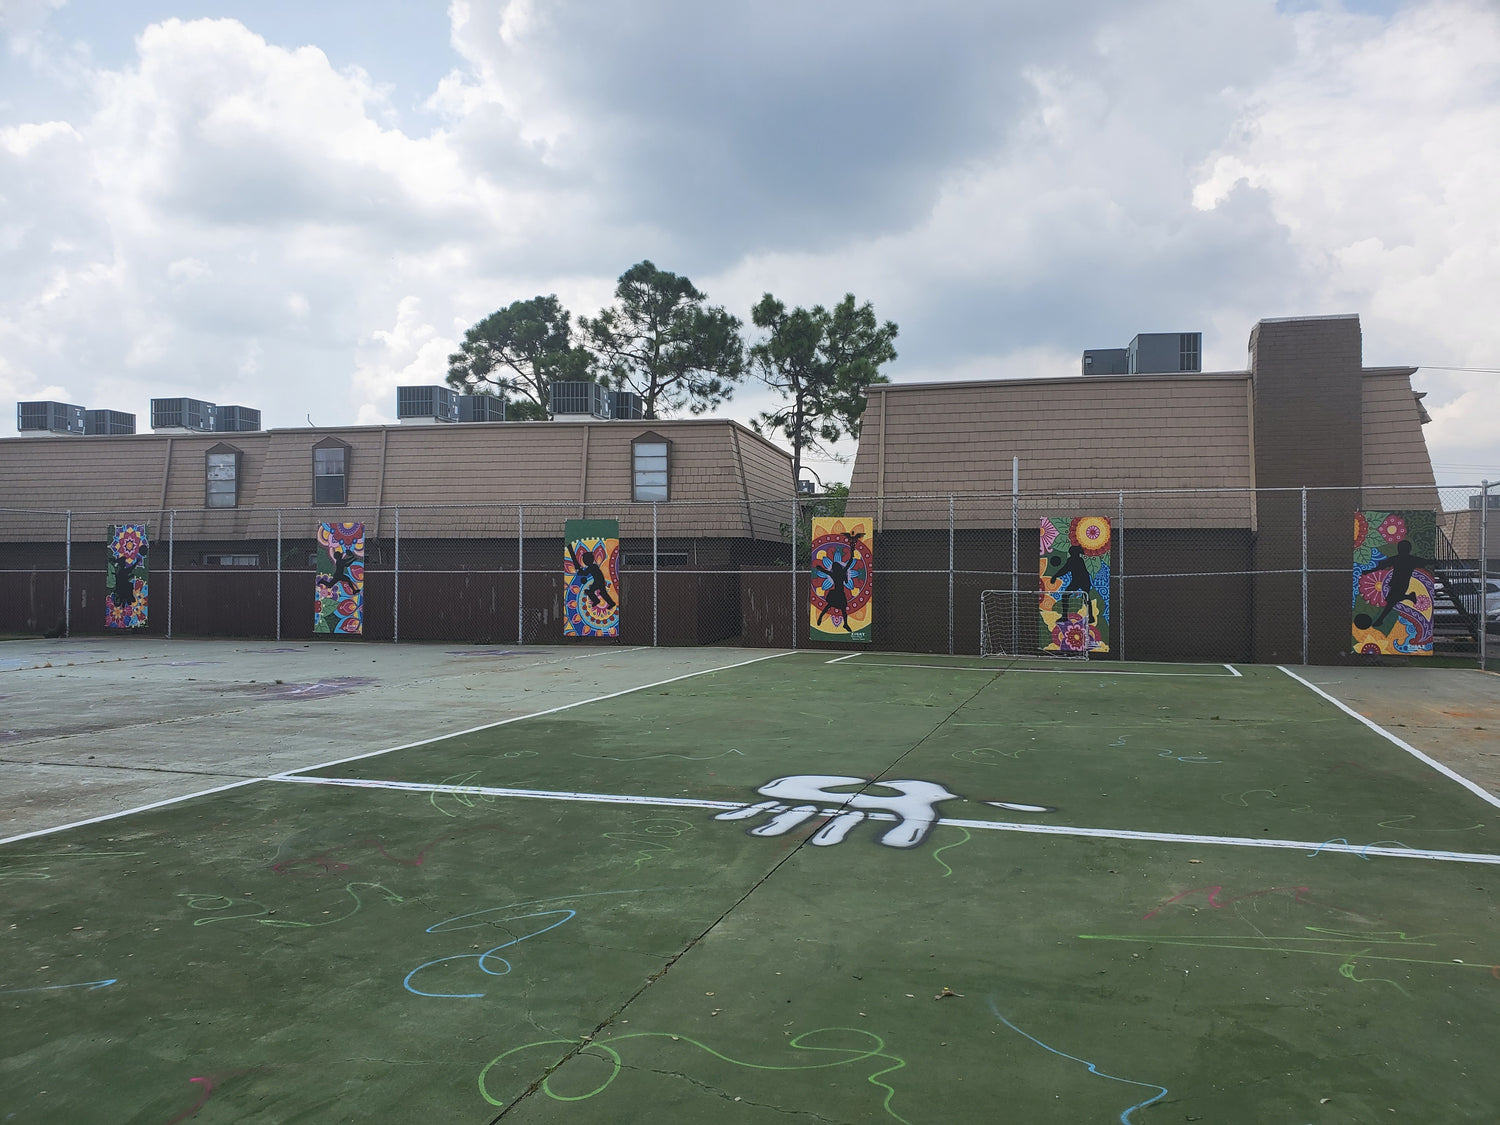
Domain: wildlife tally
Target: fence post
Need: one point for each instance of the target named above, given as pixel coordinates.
(1117, 611)
(1015, 545)
(520, 574)
(1484, 574)
(171, 556)
(278, 574)
(794, 569)
(950, 574)
(68, 576)
(396, 585)
(1304, 574)
(654, 596)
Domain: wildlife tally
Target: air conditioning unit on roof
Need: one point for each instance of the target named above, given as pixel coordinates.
(40, 419)
(418, 405)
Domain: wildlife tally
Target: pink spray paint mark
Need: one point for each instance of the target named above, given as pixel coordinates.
(1214, 900)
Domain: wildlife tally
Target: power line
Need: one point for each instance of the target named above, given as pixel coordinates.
(1438, 367)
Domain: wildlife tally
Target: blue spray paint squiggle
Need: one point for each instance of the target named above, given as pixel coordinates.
(1093, 1067)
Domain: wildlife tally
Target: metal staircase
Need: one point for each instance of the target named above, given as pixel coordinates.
(1462, 584)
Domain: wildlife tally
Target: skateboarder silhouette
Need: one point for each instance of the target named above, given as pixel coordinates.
(836, 601)
(592, 582)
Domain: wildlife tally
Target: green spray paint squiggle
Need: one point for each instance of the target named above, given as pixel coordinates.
(946, 869)
(855, 1054)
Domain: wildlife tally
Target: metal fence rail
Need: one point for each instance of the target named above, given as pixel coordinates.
(1233, 574)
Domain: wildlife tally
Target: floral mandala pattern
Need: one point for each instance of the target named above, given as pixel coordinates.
(339, 587)
(126, 579)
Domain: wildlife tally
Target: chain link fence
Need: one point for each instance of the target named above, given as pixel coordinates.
(1182, 575)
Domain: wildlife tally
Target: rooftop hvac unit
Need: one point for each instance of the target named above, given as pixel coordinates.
(426, 404)
(481, 408)
(580, 400)
(625, 405)
(49, 418)
(108, 422)
(237, 419)
(183, 414)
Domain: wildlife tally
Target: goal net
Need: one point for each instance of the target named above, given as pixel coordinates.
(1030, 623)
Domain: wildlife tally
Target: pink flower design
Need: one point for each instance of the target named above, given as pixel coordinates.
(1049, 534)
(1393, 528)
(1373, 586)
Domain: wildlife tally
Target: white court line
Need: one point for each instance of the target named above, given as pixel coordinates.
(1477, 790)
(131, 812)
(519, 718)
(846, 656)
(1047, 671)
(1233, 671)
(1312, 846)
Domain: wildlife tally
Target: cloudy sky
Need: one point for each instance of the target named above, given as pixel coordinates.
(300, 205)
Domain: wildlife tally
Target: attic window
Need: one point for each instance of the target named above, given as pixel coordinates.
(330, 472)
(650, 465)
(221, 488)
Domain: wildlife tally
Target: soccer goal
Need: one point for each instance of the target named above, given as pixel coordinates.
(1013, 623)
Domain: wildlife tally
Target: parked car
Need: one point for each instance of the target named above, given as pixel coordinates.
(1467, 591)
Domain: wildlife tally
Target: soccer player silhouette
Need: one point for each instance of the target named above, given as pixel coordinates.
(1076, 578)
(1402, 565)
(592, 582)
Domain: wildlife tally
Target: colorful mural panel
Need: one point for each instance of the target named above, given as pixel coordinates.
(841, 607)
(339, 588)
(591, 568)
(1393, 583)
(1075, 553)
(126, 577)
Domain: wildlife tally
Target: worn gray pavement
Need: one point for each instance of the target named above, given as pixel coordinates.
(95, 726)
(1451, 714)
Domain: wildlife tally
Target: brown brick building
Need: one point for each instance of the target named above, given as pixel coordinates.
(467, 506)
(1307, 412)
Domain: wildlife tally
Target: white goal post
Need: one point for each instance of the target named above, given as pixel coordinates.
(1010, 624)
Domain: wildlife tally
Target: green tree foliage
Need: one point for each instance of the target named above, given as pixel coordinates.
(521, 350)
(661, 340)
(823, 361)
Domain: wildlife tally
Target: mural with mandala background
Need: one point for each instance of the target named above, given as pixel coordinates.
(1393, 583)
(842, 606)
(1075, 553)
(126, 577)
(591, 568)
(339, 588)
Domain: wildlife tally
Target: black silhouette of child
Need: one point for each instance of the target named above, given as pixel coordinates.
(340, 556)
(124, 591)
(836, 601)
(591, 578)
(1401, 565)
(1076, 578)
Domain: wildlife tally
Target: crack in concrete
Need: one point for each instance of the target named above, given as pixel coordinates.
(133, 769)
(128, 726)
(735, 905)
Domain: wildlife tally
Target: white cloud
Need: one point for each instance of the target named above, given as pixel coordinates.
(1011, 182)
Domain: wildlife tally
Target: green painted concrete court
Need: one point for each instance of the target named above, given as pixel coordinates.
(323, 883)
